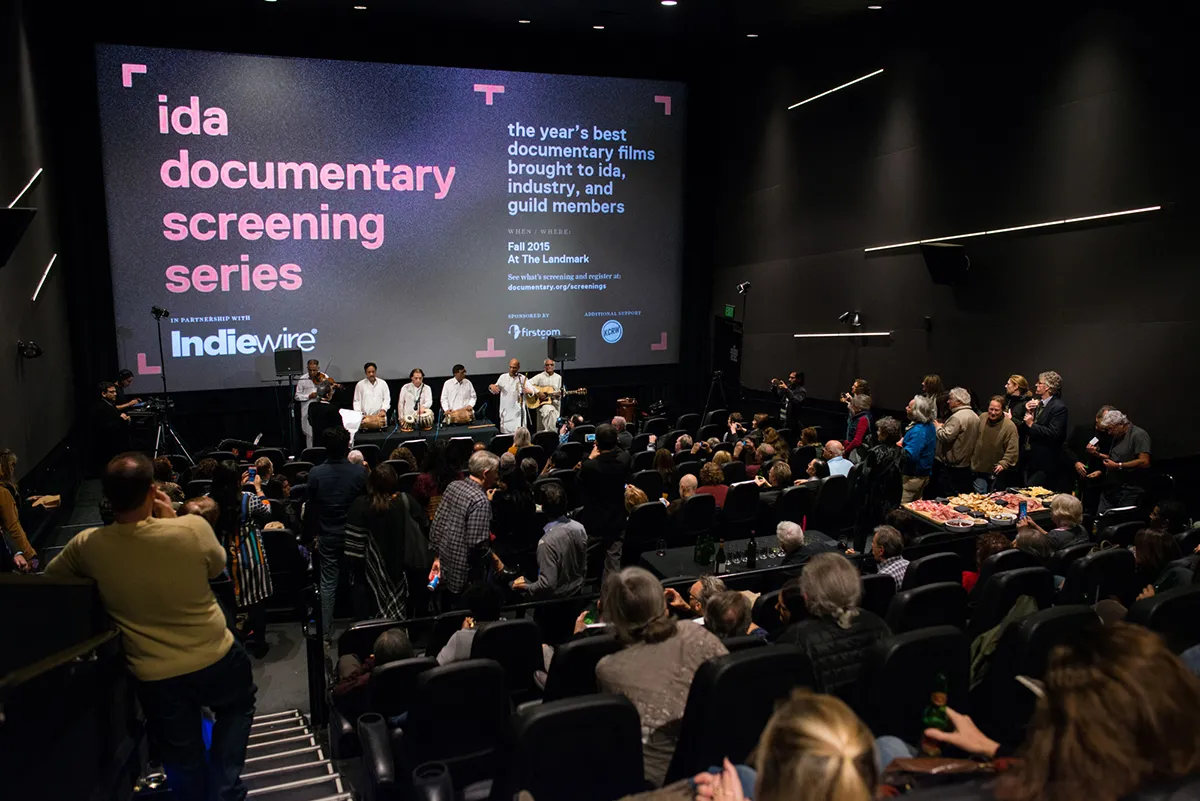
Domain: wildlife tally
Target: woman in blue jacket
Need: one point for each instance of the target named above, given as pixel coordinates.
(919, 443)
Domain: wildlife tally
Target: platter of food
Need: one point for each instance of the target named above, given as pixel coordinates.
(940, 513)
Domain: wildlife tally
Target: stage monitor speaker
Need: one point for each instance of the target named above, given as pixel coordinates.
(947, 263)
(13, 223)
(560, 349)
(289, 362)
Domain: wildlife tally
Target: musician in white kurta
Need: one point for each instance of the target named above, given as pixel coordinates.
(306, 392)
(371, 395)
(547, 413)
(512, 389)
(416, 399)
(458, 392)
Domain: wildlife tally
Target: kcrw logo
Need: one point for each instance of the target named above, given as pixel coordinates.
(228, 342)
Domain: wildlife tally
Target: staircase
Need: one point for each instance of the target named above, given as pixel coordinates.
(285, 763)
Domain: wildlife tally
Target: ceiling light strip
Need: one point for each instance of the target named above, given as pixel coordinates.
(28, 186)
(838, 336)
(1066, 221)
(834, 89)
(37, 291)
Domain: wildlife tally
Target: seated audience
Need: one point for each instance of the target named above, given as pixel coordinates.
(765, 454)
(387, 537)
(737, 428)
(758, 424)
(153, 571)
(665, 466)
(564, 432)
(403, 454)
(988, 544)
(1066, 512)
(559, 460)
(633, 497)
(655, 668)
(356, 457)
(1117, 715)
(483, 602)
(561, 551)
(624, 438)
(1171, 516)
(529, 469)
(683, 444)
(887, 547)
(204, 506)
(903, 522)
(1154, 550)
(778, 478)
(712, 482)
(349, 694)
(838, 464)
(164, 477)
(700, 593)
(813, 748)
(837, 634)
(817, 470)
(810, 437)
(203, 470)
(798, 545)
(722, 458)
(278, 491)
(1035, 544)
(728, 615)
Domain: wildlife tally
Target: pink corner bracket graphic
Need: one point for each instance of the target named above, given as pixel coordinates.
(489, 90)
(128, 71)
(491, 351)
(666, 101)
(146, 369)
(661, 344)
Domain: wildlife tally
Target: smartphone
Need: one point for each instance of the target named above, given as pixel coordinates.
(252, 472)
(1022, 510)
(589, 437)
(1093, 441)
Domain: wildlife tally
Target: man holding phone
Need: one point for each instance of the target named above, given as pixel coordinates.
(602, 480)
(1126, 463)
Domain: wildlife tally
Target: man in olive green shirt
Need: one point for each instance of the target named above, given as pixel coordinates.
(152, 570)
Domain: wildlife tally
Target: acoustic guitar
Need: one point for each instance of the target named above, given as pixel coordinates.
(546, 395)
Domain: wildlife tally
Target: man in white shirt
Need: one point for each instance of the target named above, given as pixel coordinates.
(415, 404)
(548, 412)
(373, 398)
(511, 387)
(838, 464)
(458, 394)
(306, 392)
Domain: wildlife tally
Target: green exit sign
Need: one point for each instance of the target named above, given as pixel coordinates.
(729, 310)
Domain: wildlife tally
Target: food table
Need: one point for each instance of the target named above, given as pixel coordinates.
(994, 511)
(678, 562)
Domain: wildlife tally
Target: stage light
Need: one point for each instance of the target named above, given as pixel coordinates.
(523, 21)
(45, 273)
(28, 186)
(597, 27)
(840, 336)
(752, 36)
(360, 8)
(875, 8)
(834, 89)
(1066, 221)
(670, 2)
(743, 287)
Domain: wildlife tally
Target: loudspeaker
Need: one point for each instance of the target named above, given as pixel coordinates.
(947, 263)
(289, 362)
(560, 349)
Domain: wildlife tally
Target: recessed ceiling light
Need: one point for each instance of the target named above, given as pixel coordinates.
(597, 27)
(670, 2)
(752, 36)
(523, 21)
(875, 8)
(360, 8)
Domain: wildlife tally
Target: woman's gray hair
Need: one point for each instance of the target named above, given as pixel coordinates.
(924, 409)
(1114, 417)
(481, 462)
(791, 536)
(832, 588)
(961, 395)
(1052, 380)
(521, 437)
(889, 429)
(860, 403)
(1066, 510)
(633, 603)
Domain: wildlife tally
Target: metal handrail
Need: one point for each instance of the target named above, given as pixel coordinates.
(22, 675)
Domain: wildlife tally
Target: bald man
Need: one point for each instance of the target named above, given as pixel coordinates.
(512, 389)
(834, 456)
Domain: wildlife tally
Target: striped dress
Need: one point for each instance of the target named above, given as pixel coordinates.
(247, 558)
(378, 539)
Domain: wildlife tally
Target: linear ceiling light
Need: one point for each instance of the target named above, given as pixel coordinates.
(1066, 221)
(44, 274)
(28, 186)
(851, 334)
(834, 89)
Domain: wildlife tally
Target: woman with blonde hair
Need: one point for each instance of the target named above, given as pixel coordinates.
(813, 747)
(521, 438)
(634, 497)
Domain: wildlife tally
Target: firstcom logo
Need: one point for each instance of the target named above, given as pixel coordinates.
(516, 332)
(228, 342)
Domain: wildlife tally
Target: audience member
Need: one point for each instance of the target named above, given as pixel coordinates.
(763, 455)
(728, 615)
(463, 521)
(242, 515)
(529, 469)
(20, 551)
(778, 479)
(683, 444)
(888, 549)
(483, 602)
(996, 448)
(837, 634)
(387, 539)
(561, 552)
(152, 570)
(878, 481)
(988, 544)
(332, 487)
(1066, 512)
(656, 666)
(920, 443)
(813, 748)
(800, 546)
(203, 470)
(634, 497)
(858, 425)
(564, 432)
(1126, 464)
(736, 425)
(933, 389)
(514, 527)
(810, 437)
(1117, 715)
(838, 465)
(789, 604)
(624, 438)
(688, 484)
(1035, 544)
(349, 694)
(356, 457)
(602, 487)
(956, 443)
(903, 522)
(164, 477)
(559, 460)
(203, 506)
(1170, 516)
(712, 482)
(436, 474)
(1045, 419)
(278, 492)
(1154, 551)
(521, 439)
(817, 470)
(1082, 450)
(699, 593)
(722, 458)
(403, 454)
(665, 466)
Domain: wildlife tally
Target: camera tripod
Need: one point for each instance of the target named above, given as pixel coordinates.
(166, 440)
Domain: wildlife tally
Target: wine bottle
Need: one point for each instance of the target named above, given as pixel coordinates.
(751, 554)
(720, 557)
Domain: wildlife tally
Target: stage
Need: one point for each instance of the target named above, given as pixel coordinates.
(393, 437)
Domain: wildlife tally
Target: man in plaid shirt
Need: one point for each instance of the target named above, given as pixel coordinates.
(888, 549)
(463, 520)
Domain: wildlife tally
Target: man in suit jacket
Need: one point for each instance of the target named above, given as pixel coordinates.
(322, 414)
(1046, 422)
(602, 480)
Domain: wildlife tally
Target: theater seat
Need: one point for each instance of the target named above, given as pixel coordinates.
(198, 487)
(1175, 614)
(647, 524)
(517, 646)
(877, 593)
(744, 643)
(697, 515)
(1060, 564)
(642, 460)
(734, 472)
(658, 426)
(829, 512)
(740, 510)
(688, 422)
(1002, 592)
(370, 452)
(501, 443)
(573, 668)
(1098, 576)
(795, 503)
(314, 455)
(392, 686)
(293, 469)
(1009, 559)
(534, 452)
(649, 482)
(940, 604)
(359, 639)
(717, 417)
(580, 433)
(729, 703)
(547, 441)
(932, 569)
(575, 749)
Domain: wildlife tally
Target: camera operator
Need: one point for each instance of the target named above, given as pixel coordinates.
(737, 428)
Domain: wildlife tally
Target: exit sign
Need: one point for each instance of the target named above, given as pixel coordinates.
(729, 310)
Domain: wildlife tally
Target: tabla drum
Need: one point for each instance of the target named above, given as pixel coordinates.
(460, 417)
(627, 408)
(373, 422)
(425, 420)
(408, 423)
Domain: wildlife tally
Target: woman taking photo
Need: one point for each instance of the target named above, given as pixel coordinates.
(242, 514)
(387, 536)
(858, 427)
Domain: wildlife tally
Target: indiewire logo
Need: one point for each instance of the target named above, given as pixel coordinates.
(228, 342)
(516, 332)
(612, 331)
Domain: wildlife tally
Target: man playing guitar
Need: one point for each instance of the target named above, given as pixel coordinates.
(549, 387)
